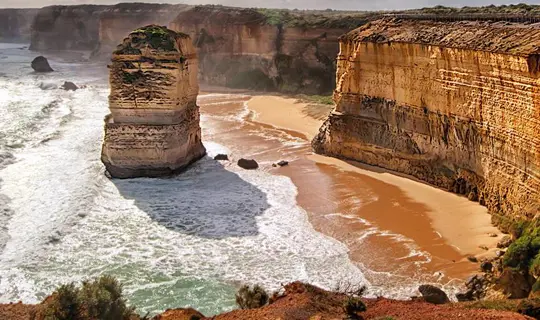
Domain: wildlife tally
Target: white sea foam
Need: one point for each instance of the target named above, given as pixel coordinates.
(186, 240)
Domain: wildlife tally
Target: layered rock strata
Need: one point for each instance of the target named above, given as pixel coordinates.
(153, 128)
(453, 104)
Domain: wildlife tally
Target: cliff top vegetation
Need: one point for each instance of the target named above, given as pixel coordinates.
(155, 37)
(497, 37)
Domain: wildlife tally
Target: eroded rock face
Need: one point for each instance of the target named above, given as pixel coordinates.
(251, 49)
(454, 104)
(153, 128)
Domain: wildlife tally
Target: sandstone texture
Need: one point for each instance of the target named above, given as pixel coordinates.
(153, 128)
(454, 104)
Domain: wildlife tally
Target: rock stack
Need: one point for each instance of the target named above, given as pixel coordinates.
(153, 128)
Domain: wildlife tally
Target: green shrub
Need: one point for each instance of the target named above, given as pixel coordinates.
(64, 304)
(518, 254)
(98, 299)
(251, 298)
(352, 306)
(102, 299)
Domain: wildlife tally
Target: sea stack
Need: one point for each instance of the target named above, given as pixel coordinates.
(153, 129)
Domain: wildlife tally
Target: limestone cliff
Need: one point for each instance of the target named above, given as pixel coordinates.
(153, 128)
(266, 49)
(118, 20)
(454, 104)
(15, 24)
(66, 28)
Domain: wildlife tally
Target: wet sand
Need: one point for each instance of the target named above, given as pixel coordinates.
(398, 230)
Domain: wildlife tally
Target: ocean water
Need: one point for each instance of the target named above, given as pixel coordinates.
(189, 240)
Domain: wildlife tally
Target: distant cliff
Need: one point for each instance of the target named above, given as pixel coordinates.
(261, 49)
(121, 19)
(266, 49)
(15, 24)
(66, 28)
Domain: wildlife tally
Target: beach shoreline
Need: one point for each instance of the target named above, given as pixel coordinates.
(464, 227)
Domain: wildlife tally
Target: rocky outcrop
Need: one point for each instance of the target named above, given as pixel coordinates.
(433, 294)
(265, 49)
(15, 24)
(41, 64)
(153, 128)
(454, 104)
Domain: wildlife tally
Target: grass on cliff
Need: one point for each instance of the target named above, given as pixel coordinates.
(524, 253)
(315, 19)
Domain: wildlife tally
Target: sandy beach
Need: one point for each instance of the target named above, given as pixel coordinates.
(285, 113)
(462, 225)
(398, 231)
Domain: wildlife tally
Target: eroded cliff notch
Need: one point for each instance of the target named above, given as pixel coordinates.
(153, 128)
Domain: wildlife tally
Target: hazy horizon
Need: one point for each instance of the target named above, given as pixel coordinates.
(288, 4)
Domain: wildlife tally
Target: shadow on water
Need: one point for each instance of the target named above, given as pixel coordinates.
(204, 201)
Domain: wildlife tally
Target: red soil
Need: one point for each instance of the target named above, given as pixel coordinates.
(302, 302)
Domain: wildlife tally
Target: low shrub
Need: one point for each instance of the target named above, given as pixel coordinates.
(251, 297)
(352, 306)
(99, 299)
(64, 304)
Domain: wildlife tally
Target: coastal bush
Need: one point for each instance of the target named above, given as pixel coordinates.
(352, 306)
(251, 297)
(518, 254)
(64, 304)
(98, 299)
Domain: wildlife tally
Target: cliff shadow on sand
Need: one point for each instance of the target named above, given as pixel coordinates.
(205, 201)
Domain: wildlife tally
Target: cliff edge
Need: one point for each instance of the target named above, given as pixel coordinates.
(153, 129)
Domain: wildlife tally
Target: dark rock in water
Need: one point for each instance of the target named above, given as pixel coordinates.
(248, 164)
(69, 86)
(433, 294)
(221, 157)
(486, 266)
(505, 242)
(472, 259)
(41, 64)
(283, 163)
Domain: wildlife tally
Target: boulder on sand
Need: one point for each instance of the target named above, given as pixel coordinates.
(221, 156)
(433, 294)
(69, 86)
(41, 64)
(248, 164)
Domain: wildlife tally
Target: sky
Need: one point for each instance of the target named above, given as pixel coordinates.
(289, 4)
